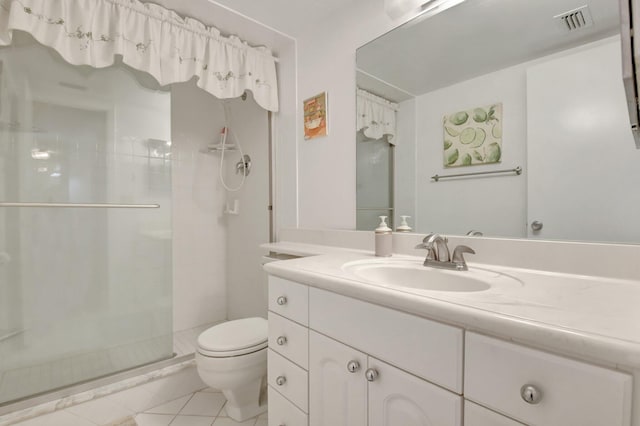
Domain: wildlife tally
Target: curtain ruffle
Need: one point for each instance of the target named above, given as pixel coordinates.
(150, 38)
(376, 116)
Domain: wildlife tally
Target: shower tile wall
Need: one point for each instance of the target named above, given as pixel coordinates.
(199, 232)
(216, 257)
(246, 281)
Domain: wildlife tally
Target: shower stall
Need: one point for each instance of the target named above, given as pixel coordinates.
(105, 109)
(85, 221)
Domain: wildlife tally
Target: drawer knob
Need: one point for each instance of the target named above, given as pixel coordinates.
(353, 366)
(281, 340)
(281, 380)
(530, 394)
(282, 300)
(371, 374)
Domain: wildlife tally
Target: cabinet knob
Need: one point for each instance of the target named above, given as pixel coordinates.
(282, 300)
(281, 380)
(353, 366)
(530, 394)
(371, 374)
(281, 340)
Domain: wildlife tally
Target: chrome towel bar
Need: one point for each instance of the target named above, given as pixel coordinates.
(517, 171)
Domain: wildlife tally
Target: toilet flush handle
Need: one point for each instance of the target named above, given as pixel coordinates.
(281, 340)
(281, 380)
(282, 300)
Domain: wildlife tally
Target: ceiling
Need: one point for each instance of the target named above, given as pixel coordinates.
(290, 17)
(475, 38)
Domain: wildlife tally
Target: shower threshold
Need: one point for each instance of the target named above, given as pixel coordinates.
(184, 345)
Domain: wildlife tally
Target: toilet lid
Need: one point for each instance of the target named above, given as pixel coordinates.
(244, 335)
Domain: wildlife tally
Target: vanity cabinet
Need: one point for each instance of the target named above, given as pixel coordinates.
(288, 356)
(347, 387)
(539, 388)
(337, 386)
(339, 361)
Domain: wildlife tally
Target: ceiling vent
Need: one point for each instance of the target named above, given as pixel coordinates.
(575, 19)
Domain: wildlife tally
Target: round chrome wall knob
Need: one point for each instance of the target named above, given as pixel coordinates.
(530, 394)
(281, 340)
(282, 300)
(536, 225)
(371, 374)
(281, 380)
(353, 366)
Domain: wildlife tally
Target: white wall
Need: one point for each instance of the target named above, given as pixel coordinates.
(582, 156)
(326, 62)
(494, 205)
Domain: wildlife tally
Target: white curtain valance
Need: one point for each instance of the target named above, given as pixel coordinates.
(376, 116)
(150, 38)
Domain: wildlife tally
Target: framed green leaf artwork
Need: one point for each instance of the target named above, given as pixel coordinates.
(473, 137)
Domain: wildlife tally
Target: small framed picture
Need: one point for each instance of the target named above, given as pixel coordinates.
(315, 116)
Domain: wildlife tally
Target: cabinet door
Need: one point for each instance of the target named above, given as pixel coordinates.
(398, 398)
(337, 396)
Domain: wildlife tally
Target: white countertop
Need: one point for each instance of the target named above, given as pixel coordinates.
(591, 318)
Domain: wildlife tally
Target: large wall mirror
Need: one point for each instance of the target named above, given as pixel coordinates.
(498, 86)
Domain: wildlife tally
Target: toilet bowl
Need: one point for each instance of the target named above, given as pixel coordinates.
(232, 357)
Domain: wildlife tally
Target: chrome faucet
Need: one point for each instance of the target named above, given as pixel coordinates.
(436, 246)
(438, 253)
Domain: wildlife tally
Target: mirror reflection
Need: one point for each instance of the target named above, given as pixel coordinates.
(497, 86)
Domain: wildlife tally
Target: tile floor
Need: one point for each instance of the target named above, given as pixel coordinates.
(204, 408)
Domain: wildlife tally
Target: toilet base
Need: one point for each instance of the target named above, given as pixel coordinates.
(242, 403)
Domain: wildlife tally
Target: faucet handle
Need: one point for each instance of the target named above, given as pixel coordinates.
(458, 256)
(431, 252)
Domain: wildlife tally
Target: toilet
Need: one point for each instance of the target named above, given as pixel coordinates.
(232, 357)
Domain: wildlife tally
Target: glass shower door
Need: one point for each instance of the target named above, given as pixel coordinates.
(85, 222)
(374, 182)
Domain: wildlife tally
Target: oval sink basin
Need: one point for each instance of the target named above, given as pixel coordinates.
(413, 275)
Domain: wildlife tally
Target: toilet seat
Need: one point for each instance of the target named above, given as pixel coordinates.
(234, 338)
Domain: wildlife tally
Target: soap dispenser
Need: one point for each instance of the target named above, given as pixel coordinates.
(384, 239)
(404, 226)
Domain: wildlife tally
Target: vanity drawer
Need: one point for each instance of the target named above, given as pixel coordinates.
(475, 415)
(571, 392)
(428, 349)
(283, 412)
(288, 379)
(289, 339)
(289, 299)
